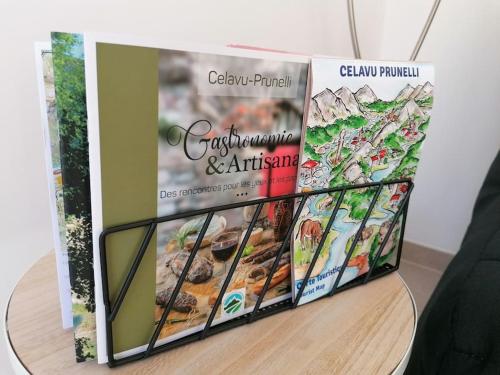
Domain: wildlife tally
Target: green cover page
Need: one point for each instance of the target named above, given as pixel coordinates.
(50, 128)
(69, 81)
(128, 134)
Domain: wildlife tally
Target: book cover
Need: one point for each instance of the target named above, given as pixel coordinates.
(180, 129)
(50, 129)
(69, 82)
(366, 122)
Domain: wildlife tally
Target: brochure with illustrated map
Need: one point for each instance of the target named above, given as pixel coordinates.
(366, 122)
(175, 128)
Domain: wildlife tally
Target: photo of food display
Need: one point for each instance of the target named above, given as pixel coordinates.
(213, 260)
(255, 139)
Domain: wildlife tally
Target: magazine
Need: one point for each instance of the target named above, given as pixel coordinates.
(366, 122)
(181, 128)
(50, 127)
(69, 82)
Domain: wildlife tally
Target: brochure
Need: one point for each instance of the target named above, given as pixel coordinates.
(69, 81)
(366, 122)
(50, 128)
(174, 128)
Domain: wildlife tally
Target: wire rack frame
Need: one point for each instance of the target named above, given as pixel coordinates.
(150, 225)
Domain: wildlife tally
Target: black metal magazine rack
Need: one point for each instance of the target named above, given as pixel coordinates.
(112, 308)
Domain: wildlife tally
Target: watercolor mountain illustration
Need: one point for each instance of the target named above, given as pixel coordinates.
(354, 138)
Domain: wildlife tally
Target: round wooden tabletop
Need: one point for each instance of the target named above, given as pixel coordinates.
(364, 330)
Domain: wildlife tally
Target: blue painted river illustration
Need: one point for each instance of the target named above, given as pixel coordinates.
(346, 228)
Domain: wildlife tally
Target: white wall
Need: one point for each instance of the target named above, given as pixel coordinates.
(464, 135)
(461, 42)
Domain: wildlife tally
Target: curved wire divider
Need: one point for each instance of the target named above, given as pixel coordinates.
(420, 41)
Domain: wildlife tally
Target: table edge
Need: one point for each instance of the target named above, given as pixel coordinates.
(15, 361)
(401, 367)
(19, 367)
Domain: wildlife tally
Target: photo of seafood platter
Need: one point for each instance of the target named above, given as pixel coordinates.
(213, 261)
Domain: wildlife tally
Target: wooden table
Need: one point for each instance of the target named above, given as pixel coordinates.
(364, 330)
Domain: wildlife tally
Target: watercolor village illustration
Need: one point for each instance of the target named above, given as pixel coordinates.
(354, 138)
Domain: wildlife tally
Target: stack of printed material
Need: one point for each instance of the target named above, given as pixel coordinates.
(137, 130)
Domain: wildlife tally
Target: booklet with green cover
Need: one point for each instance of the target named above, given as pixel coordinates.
(50, 129)
(69, 82)
(173, 128)
(366, 122)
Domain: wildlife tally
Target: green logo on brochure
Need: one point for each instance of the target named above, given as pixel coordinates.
(233, 302)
